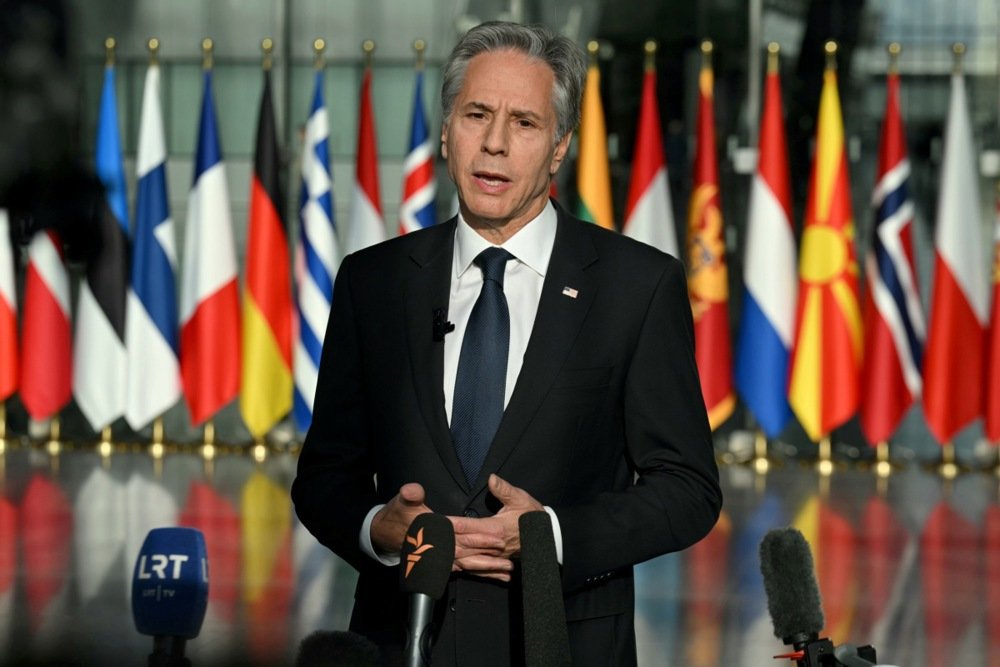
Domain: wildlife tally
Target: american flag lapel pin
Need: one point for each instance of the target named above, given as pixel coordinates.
(570, 292)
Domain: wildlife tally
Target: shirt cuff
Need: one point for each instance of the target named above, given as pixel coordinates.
(556, 532)
(365, 541)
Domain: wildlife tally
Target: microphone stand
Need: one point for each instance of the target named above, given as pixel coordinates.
(168, 652)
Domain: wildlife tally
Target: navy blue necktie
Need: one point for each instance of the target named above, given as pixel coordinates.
(477, 405)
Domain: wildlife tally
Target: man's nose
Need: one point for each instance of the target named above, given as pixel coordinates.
(495, 139)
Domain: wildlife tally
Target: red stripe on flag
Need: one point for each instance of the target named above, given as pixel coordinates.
(713, 354)
(991, 403)
(8, 349)
(648, 146)
(268, 278)
(954, 363)
(210, 353)
(418, 178)
(47, 362)
(882, 378)
(367, 165)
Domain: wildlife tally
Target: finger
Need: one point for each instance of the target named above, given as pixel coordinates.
(412, 494)
(467, 526)
(482, 563)
(502, 489)
(479, 541)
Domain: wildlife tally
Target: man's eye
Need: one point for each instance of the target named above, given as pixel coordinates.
(525, 123)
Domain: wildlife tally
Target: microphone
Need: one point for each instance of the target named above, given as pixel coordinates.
(170, 592)
(441, 325)
(546, 637)
(427, 554)
(793, 601)
(324, 648)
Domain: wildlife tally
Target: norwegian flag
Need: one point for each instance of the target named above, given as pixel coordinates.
(46, 349)
(8, 313)
(365, 226)
(894, 330)
(419, 187)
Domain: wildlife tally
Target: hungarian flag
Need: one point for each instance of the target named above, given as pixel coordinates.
(593, 174)
(956, 358)
(992, 390)
(9, 362)
(366, 226)
(210, 307)
(267, 296)
(317, 256)
(100, 374)
(767, 316)
(649, 214)
(708, 282)
(894, 329)
(46, 346)
(419, 187)
(151, 332)
(826, 356)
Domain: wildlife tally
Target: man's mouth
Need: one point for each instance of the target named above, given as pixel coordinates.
(490, 178)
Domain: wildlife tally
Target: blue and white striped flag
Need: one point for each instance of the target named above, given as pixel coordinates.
(99, 346)
(151, 324)
(317, 257)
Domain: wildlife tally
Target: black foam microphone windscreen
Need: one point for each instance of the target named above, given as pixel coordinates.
(427, 555)
(546, 638)
(793, 598)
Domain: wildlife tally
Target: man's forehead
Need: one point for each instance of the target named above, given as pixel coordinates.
(507, 73)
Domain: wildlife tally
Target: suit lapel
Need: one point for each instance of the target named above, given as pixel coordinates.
(428, 289)
(567, 294)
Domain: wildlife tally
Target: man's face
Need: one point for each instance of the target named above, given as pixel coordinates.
(500, 141)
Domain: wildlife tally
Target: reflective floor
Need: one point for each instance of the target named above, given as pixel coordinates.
(911, 565)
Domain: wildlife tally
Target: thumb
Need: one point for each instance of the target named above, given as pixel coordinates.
(412, 494)
(503, 490)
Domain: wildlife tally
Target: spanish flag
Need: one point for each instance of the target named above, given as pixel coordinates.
(826, 356)
(267, 295)
(708, 278)
(593, 175)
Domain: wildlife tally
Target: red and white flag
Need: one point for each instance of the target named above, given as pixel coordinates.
(956, 359)
(991, 409)
(649, 214)
(365, 225)
(8, 313)
(46, 348)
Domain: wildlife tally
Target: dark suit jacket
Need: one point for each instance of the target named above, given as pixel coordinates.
(606, 425)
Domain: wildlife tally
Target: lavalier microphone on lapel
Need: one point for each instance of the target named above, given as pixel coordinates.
(441, 325)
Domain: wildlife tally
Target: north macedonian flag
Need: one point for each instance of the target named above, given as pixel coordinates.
(823, 381)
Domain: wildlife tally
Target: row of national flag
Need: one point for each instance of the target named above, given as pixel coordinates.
(809, 343)
(140, 345)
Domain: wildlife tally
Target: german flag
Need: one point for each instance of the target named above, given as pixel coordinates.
(267, 295)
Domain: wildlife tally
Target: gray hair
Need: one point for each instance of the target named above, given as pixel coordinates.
(565, 58)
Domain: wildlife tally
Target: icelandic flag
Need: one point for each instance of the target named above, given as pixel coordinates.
(317, 257)
(99, 373)
(767, 319)
(151, 310)
(366, 226)
(419, 187)
(893, 318)
(210, 306)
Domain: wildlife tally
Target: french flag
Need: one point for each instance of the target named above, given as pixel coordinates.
(955, 361)
(366, 226)
(893, 318)
(46, 342)
(767, 320)
(419, 187)
(8, 313)
(210, 311)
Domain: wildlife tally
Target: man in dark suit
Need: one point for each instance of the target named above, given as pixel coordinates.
(568, 383)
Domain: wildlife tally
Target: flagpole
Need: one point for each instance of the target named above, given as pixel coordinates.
(368, 48)
(883, 463)
(53, 446)
(824, 459)
(208, 448)
(157, 447)
(105, 446)
(419, 46)
(267, 47)
(760, 462)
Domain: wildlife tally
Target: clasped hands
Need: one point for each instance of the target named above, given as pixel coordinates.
(484, 547)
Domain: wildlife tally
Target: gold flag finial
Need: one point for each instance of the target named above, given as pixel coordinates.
(649, 48)
(830, 48)
(773, 57)
(207, 45)
(593, 48)
(154, 50)
(267, 46)
(319, 45)
(109, 52)
(706, 53)
(958, 50)
(420, 46)
(368, 46)
(895, 49)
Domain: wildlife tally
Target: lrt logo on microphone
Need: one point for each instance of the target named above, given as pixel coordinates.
(158, 565)
(414, 557)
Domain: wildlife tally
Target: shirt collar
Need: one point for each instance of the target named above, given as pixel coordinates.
(531, 245)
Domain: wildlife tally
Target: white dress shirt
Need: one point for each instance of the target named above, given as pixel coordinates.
(531, 247)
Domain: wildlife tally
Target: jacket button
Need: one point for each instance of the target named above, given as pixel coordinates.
(471, 513)
(451, 604)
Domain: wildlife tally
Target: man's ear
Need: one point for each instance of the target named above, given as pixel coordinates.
(562, 148)
(444, 140)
